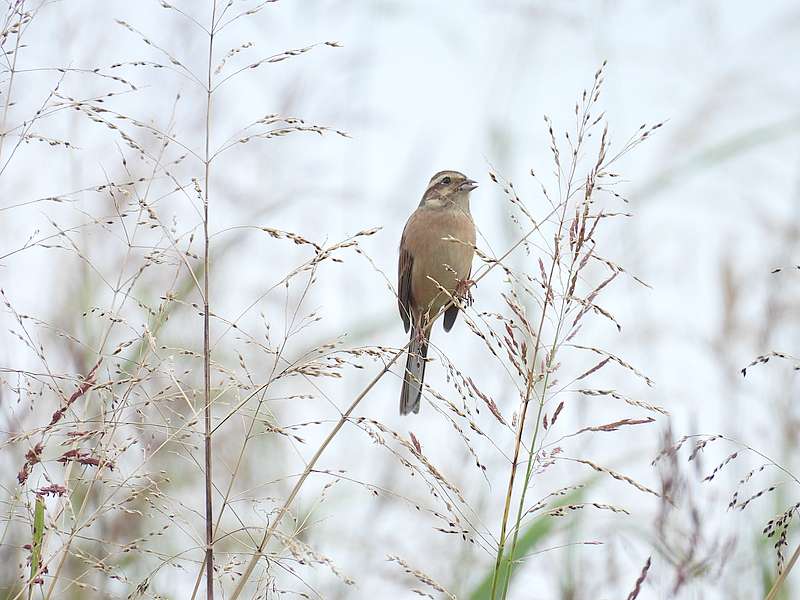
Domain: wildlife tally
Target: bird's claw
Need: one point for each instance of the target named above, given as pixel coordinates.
(463, 291)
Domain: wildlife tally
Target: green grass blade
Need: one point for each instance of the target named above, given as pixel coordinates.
(38, 536)
(536, 532)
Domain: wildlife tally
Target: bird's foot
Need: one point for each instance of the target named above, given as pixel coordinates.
(463, 291)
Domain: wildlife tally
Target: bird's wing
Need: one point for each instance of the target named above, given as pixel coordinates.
(465, 232)
(404, 300)
(451, 313)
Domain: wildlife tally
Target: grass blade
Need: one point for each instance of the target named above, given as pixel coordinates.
(36, 545)
(532, 536)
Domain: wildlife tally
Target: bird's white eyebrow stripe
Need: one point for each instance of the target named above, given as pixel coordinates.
(439, 180)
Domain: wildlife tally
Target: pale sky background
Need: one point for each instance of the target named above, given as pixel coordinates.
(420, 87)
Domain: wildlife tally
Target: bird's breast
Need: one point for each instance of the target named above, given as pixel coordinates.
(437, 259)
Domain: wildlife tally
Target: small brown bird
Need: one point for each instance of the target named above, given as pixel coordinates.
(436, 250)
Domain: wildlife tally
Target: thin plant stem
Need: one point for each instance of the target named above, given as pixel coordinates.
(566, 194)
(545, 381)
(262, 392)
(520, 431)
(776, 587)
(518, 441)
(13, 69)
(529, 466)
(309, 468)
(209, 510)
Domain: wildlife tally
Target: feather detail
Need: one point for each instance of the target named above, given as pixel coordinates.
(415, 373)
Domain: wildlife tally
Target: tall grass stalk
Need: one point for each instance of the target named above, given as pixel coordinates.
(209, 509)
(566, 265)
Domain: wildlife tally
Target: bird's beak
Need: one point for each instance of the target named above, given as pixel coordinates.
(468, 185)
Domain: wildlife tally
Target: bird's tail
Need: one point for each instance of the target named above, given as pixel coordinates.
(415, 372)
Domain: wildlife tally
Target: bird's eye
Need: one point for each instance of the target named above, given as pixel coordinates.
(446, 180)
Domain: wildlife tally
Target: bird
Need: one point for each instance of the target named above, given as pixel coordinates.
(436, 249)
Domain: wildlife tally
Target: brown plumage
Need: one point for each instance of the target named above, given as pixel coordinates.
(427, 258)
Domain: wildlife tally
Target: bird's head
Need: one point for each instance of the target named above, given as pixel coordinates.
(448, 188)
